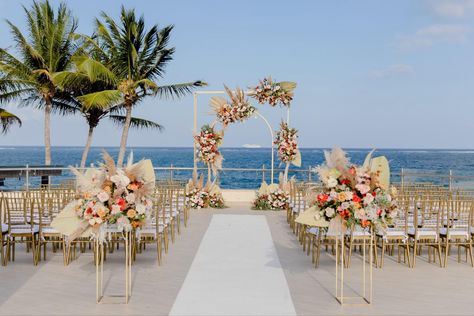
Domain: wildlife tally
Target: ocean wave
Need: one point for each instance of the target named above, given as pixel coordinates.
(7, 148)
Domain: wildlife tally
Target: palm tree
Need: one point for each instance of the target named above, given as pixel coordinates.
(7, 119)
(45, 50)
(131, 59)
(82, 81)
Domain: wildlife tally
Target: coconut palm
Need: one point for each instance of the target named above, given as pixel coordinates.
(81, 81)
(46, 49)
(131, 59)
(7, 119)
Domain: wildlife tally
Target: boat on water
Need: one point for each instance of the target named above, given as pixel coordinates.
(251, 146)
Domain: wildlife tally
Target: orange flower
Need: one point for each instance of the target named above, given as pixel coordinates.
(131, 213)
(101, 212)
(107, 189)
(133, 186)
(341, 196)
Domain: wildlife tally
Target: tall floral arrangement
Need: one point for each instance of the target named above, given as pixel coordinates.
(353, 193)
(274, 93)
(110, 195)
(238, 109)
(208, 142)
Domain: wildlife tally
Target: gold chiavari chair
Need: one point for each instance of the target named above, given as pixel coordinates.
(48, 210)
(163, 218)
(3, 234)
(359, 237)
(21, 228)
(425, 216)
(456, 230)
(154, 232)
(324, 239)
(396, 235)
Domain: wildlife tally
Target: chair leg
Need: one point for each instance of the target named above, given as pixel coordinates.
(159, 249)
(415, 245)
(382, 253)
(446, 253)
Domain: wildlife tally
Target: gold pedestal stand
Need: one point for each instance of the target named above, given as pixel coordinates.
(99, 271)
(366, 297)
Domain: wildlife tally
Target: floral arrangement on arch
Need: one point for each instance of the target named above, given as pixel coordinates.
(110, 195)
(353, 194)
(286, 140)
(273, 93)
(271, 197)
(208, 142)
(237, 110)
(203, 196)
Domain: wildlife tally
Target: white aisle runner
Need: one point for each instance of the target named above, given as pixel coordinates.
(236, 271)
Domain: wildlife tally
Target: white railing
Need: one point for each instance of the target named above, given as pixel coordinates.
(24, 175)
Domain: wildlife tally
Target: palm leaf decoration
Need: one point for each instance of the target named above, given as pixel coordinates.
(7, 120)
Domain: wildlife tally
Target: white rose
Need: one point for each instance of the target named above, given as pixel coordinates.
(141, 209)
(115, 209)
(103, 196)
(369, 198)
(332, 182)
(330, 212)
(130, 198)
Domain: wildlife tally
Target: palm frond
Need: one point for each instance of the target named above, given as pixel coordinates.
(136, 122)
(8, 119)
(179, 90)
(101, 99)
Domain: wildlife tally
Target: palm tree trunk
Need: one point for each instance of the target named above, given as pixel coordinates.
(123, 142)
(47, 132)
(85, 153)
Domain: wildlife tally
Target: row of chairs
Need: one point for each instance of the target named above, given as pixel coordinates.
(430, 217)
(27, 216)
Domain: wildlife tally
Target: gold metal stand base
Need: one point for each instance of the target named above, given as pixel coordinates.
(367, 289)
(99, 269)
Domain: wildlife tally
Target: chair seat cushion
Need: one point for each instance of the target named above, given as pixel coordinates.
(150, 231)
(312, 230)
(23, 229)
(49, 230)
(459, 232)
(423, 233)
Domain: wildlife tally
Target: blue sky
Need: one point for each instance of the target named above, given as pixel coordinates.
(385, 74)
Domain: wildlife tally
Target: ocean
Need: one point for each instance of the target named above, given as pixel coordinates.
(436, 162)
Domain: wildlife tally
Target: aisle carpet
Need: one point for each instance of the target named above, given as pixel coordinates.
(236, 271)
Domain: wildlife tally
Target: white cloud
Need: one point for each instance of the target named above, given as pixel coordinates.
(452, 8)
(392, 71)
(434, 34)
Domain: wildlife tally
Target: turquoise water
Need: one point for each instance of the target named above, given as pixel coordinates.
(434, 161)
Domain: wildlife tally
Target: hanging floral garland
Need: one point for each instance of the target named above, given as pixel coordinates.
(237, 110)
(208, 142)
(287, 143)
(273, 93)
